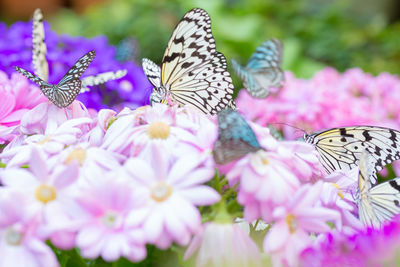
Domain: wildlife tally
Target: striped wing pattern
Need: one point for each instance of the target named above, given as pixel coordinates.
(65, 92)
(341, 148)
(192, 71)
(235, 137)
(379, 203)
(39, 49)
(101, 78)
(263, 69)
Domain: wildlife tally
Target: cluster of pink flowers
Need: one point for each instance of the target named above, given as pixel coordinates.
(329, 99)
(103, 182)
(111, 183)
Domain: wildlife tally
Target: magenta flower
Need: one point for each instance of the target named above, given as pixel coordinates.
(172, 189)
(17, 97)
(223, 244)
(19, 242)
(370, 247)
(294, 221)
(104, 231)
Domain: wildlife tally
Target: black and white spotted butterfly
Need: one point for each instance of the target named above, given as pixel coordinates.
(192, 71)
(40, 65)
(379, 203)
(65, 92)
(263, 69)
(341, 148)
(235, 137)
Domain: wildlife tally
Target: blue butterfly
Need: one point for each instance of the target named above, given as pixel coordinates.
(235, 137)
(64, 93)
(263, 69)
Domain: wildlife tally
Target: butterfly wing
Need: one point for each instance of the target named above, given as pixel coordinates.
(263, 69)
(39, 50)
(235, 138)
(47, 89)
(341, 148)
(379, 203)
(70, 85)
(192, 71)
(101, 78)
(153, 72)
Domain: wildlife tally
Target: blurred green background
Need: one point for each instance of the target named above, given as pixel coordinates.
(316, 33)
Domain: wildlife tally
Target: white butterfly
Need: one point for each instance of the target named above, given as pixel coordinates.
(379, 203)
(341, 148)
(41, 67)
(192, 71)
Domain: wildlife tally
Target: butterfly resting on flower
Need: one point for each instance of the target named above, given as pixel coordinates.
(192, 71)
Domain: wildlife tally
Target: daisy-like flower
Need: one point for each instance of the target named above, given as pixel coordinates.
(172, 188)
(223, 245)
(130, 134)
(49, 192)
(294, 221)
(104, 231)
(19, 243)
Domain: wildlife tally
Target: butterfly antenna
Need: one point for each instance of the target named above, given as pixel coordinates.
(295, 127)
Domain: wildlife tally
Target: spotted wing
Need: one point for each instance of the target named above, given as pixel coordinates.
(379, 203)
(192, 70)
(47, 89)
(39, 50)
(341, 148)
(101, 78)
(235, 137)
(152, 71)
(70, 85)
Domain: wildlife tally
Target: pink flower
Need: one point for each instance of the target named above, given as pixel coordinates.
(49, 192)
(172, 189)
(223, 244)
(104, 230)
(294, 221)
(16, 98)
(19, 242)
(320, 102)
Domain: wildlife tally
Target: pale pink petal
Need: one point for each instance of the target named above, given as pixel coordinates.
(200, 195)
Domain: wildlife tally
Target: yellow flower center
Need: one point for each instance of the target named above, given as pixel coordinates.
(158, 130)
(13, 237)
(264, 160)
(45, 139)
(291, 222)
(161, 192)
(340, 192)
(45, 193)
(78, 155)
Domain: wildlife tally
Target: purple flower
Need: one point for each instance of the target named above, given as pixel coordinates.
(133, 90)
(370, 247)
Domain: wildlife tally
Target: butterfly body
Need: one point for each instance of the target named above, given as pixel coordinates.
(379, 203)
(341, 148)
(263, 69)
(65, 92)
(192, 71)
(235, 137)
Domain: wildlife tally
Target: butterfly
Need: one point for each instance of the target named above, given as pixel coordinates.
(235, 137)
(126, 50)
(65, 92)
(341, 148)
(379, 203)
(192, 71)
(40, 64)
(263, 69)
